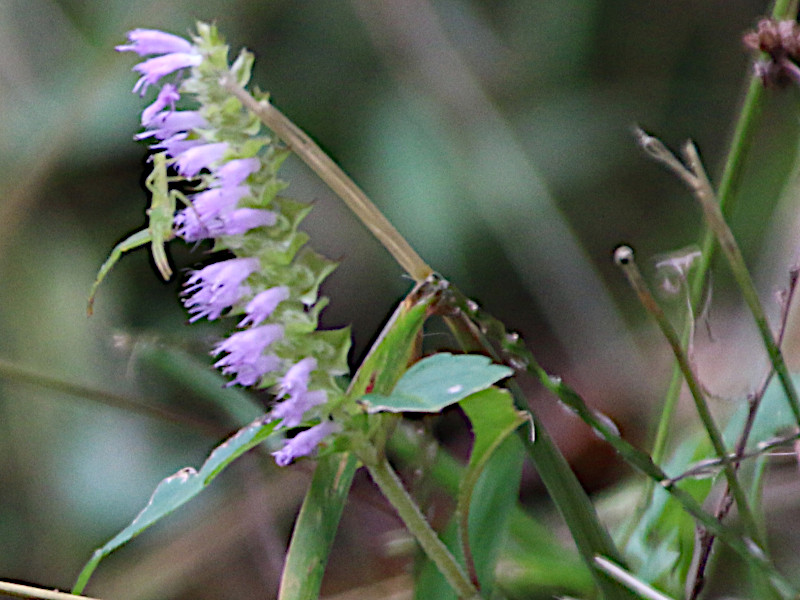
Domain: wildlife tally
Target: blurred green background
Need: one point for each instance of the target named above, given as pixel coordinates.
(496, 135)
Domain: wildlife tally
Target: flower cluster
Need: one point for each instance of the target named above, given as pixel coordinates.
(270, 277)
(780, 40)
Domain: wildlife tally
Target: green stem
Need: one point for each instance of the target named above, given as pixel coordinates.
(344, 187)
(726, 195)
(514, 353)
(624, 258)
(386, 479)
(571, 501)
(724, 235)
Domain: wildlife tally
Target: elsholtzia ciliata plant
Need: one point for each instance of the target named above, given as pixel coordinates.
(225, 144)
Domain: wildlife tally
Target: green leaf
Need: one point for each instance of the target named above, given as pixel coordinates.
(536, 563)
(396, 344)
(316, 527)
(438, 381)
(486, 497)
(178, 489)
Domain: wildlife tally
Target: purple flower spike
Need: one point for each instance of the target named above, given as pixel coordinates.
(294, 409)
(263, 305)
(245, 354)
(152, 41)
(154, 69)
(304, 443)
(193, 160)
(168, 96)
(217, 287)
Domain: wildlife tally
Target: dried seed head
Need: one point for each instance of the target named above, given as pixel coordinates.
(781, 41)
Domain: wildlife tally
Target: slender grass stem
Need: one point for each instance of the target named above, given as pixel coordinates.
(26, 591)
(17, 373)
(571, 501)
(629, 580)
(716, 223)
(741, 141)
(386, 479)
(513, 352)
(327, 170)
(624, 258)
(706, 541)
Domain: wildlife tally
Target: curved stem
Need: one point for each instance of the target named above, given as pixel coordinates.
(717, 225)
(335, 178)
(743, 133)
(386, 479)
(624, 258)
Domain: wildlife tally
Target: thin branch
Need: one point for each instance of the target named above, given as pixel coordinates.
(26, 591)
(335, 178)
(624, 258)
(706, 541)
(13, 372)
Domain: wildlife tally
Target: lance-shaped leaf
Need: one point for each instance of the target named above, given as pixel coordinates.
(178, 489)
(483, 510)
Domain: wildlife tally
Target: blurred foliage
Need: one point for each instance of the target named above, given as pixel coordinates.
(496, 135)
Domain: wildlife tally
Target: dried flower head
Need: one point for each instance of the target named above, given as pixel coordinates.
(780, 40)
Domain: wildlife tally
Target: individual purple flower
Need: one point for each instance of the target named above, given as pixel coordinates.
(187, 225)
(242, 220)
(153, 69)
(217, 287)
(236, 222)
(294, 409)
(304, 443)
(211, 203)
(204, 217)
(296, 379)
(263, 305)
(167, 96)
(152, 41)
(246, 358)
(193, 160)
(234, 172)
(177, 144)
(249, 372)
(166, 124)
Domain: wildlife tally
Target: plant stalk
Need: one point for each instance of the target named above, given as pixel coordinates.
(741, 141)
(26, 591)
(624, 258)
(386, 479)
(326, 169)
